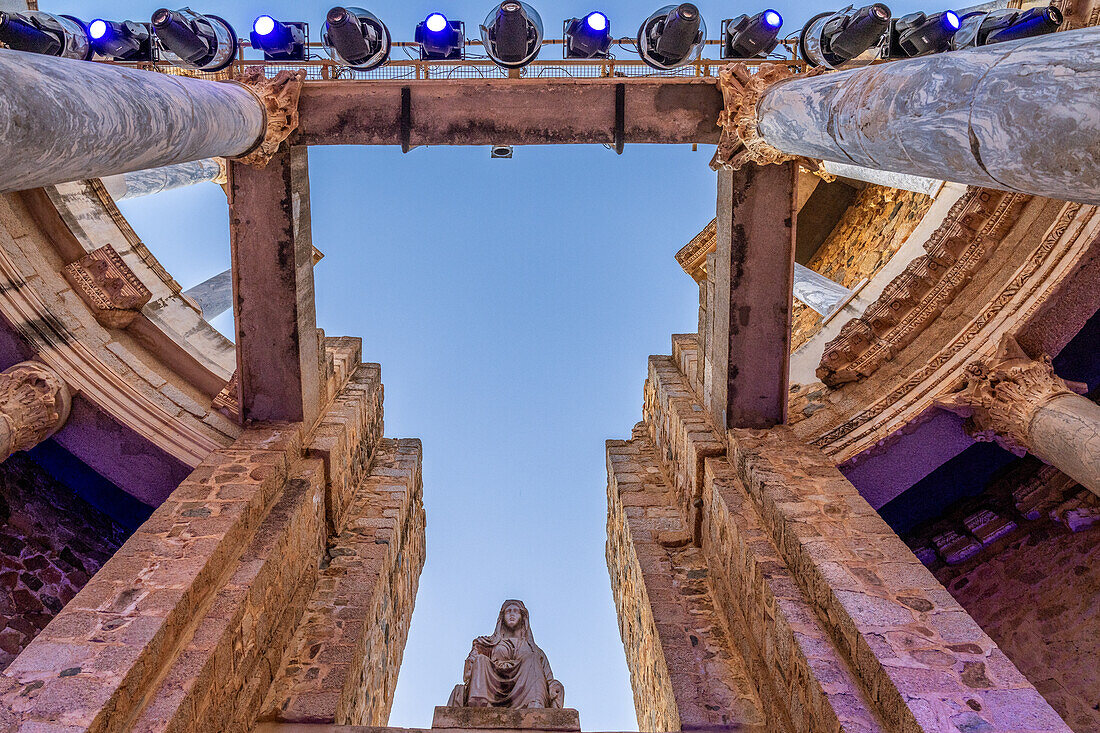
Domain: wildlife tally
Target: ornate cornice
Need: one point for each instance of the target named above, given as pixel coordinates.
(34, 404)
(109, 287)
(1002, 394)
(279, 96)
(693, 255)
(1017, 302)
(915, 298)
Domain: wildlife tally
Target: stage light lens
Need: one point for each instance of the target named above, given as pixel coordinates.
(97, 29)
(264, 25)
(772, 19)
(436, 22)
(951, 20)
(597, 21)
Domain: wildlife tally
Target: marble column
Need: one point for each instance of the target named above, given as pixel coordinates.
(817, 291)
(65, 120)
(1016, 116)
(917, 184)
(1021, 404)
(155, 180)
(34, 404)
(214, 295)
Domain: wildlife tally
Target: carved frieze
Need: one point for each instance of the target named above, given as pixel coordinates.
(279, 96)
(914, 299)
(228, 401)
(1002, 394)
(110, 288)
(34, 404)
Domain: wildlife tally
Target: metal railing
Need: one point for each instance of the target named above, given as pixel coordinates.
(411, 69)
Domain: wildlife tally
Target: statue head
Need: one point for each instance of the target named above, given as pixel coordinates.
(512, 614)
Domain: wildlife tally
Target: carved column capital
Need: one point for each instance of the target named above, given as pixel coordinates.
(279, 96)
(1003, 393)
(34, 404)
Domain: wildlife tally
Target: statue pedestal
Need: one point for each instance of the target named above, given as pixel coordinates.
(557, 719)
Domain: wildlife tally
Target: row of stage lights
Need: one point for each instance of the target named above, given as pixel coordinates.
(512, 35)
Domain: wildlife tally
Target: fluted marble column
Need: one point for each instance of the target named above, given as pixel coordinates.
(1021, 404)
(1017, 116)
(64, 120)
(34, 404)
(155, 180)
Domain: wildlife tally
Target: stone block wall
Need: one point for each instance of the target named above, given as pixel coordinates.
(1033, 582)
(684, 670)
(342, 665)
(835, 622)
(186, 626)
(51, 543)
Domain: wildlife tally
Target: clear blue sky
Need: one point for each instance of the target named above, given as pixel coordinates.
(512, 305)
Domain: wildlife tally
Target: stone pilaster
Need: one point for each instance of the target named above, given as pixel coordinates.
(1021, 404)
(34, 403)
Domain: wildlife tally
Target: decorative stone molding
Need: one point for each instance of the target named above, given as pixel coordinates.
(914, 299)
(741, 142)
(108, 286)
(692, 257)
(34, 404)
(1073, 235)
(228, 401)
(279, 96)
(1003, 393)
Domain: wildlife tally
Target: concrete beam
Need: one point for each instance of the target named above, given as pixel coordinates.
(64, 120)
(1018, 116)
(273, 305)
(748, 342)
(508, 112)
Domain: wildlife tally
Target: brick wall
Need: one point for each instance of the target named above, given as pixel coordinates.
(51, 543)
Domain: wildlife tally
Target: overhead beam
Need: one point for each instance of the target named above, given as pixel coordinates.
(273, 304)
(749, 332)
(509, 112)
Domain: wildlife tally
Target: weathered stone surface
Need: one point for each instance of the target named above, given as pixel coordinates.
(34, 404)
(564, 719)
(887, 612)
(51, 543)
(108, 286)
(684, 670)
(342, 664)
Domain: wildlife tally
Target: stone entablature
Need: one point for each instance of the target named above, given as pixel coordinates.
(1042, 257)
(975, 226)
(108, 286)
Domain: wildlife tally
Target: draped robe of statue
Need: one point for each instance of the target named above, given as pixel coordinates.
(507, 669)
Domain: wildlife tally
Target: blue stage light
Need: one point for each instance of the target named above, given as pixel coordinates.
(746, 37)
(951, 20)
(280, 41)
(264, 25)
(440, 39)
(588, 37)
(597, 21)
(121, 41)
(436, 22)
(97, 29)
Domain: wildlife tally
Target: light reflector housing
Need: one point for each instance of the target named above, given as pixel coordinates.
(847, 38)
(35, 31)
(194, 41)
(588, 37)
(672, 36)
(512, 34)
(746, 37)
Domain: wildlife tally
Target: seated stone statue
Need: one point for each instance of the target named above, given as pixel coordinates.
(507, 669)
